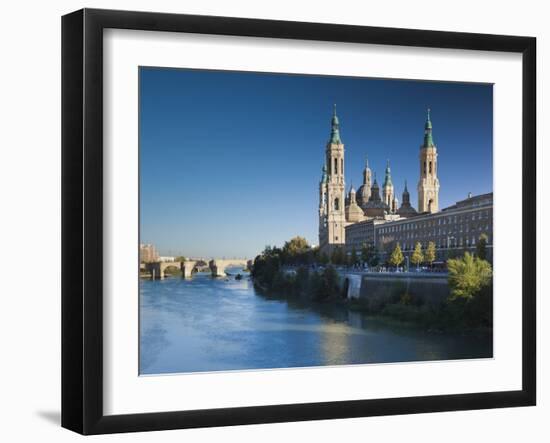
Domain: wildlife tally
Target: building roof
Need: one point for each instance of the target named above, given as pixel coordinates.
(472, 202)
(407, 211)
(363, 194)
(354, 213)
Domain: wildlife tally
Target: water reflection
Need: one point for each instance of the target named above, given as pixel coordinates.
(206, 324)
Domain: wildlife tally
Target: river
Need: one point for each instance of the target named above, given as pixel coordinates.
(206, 324)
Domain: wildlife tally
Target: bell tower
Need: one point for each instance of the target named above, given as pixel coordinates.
(367, 181)
(323, 208)
(387, 188)
(428, 184)
(335, 190)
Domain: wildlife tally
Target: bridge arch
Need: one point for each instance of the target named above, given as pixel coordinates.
(192, 266)
(218, 266)
(157, 269)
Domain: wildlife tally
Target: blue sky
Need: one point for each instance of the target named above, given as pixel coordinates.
(231, 161)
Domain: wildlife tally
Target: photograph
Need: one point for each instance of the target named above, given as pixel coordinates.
(269, 222)
(296, 221)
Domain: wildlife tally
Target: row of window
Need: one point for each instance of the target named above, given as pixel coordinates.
(453, 219)
(443, 231)
(444, 243)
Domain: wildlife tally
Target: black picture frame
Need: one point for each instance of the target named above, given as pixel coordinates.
(82, 218)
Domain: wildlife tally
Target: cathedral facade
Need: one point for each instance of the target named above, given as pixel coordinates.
(338, 211)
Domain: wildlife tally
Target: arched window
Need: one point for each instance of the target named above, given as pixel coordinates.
(430, 167)
(336, 204)
(424, 168)
(342, 165)
(336, 166)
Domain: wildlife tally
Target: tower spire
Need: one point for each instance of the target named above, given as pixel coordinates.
(428, 138)
(324, 177)
(387, 178)
(387, 188)
(335, 128)
(428, 183)
(332, 231)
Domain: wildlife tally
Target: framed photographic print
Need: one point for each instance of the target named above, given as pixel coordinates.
(269, 221)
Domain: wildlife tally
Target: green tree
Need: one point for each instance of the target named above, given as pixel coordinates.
(396, 257)
(468, 275)
(323, 258)
(266, 266)
(375, 257)
(417, 255)
(326, 285)
(296, 250)
(369, 255)
(481, 247)
(301, 280)
(338, 257)
(180, 258)
(365, 253)
(354, 259)
(430, 253)
(296, 245)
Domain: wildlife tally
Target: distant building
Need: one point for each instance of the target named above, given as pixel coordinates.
(371, 217)
(166, 259)
(361, 234)
(454, 230)
(148, 253)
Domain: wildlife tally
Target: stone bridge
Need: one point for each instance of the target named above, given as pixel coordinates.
(189, 267)
(156, 269)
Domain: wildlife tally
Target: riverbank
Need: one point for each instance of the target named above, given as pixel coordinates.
(388, 300)
(442, 319)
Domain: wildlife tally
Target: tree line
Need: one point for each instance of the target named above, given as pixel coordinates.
(470, 282)
(270, 276)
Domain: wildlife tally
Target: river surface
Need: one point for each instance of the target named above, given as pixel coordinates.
(207, 324)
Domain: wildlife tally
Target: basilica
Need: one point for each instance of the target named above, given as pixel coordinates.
(370, 205)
